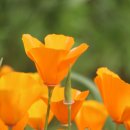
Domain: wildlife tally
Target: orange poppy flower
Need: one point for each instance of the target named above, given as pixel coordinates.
(54, 58)
(89, 113)
(37, 114)
(18, 91)
(115, 93)
(5, 69)
(60, 109)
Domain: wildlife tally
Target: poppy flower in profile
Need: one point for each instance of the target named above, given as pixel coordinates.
(92, 115)
(115, 93)
(18, 91)
(54, 58)
(37, 114)
(59, 108)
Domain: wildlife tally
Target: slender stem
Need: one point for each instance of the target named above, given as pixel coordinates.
(69, 116)
(50, 90)
(68, 97)
(117, 126)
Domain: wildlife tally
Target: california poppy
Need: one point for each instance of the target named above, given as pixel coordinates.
(115, 93)
(54, 58)
(18, 91)
(92, 115)
(59, 108)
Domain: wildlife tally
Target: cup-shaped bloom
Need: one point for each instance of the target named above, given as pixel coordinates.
(54, 58)
(18, 91)
(92, 115)
(59, 108)
(115, 93)
(37, 114)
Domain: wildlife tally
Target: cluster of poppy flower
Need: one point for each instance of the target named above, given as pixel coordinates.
(24, 96)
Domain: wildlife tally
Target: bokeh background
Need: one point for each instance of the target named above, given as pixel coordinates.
(103, 24)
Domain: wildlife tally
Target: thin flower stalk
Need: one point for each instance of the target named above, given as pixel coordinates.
(69, 116)
(68, 98)
(50, 90)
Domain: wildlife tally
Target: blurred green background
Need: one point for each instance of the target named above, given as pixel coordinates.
(103, 24)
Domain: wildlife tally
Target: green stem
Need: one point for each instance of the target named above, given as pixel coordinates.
(68, 97)
(50, 90)
(67, 90)
(69, 116)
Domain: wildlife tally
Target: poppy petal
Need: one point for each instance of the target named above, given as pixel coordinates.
(59, 42)
(127, 125)
(21, 124)
(75, 53)
(46, 61)
(62, 113)
(37, 115)
(30, 42)
(118, 98)
(116, 95)
(69, 60)
(15, 89)
(89, 113)
(126, 115)
(3, 126)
